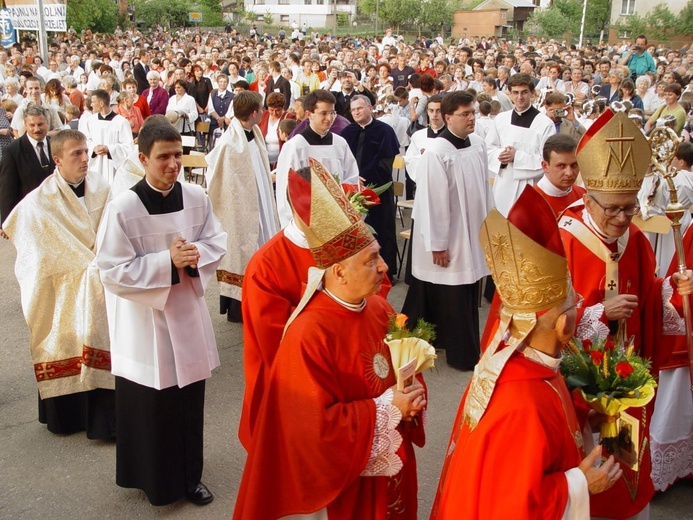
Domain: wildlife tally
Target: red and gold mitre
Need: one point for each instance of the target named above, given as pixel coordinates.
(333, 228)
(525, 255)
(613, 155)
(529, 266)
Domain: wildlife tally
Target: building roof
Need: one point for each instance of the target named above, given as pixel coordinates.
(511, 3)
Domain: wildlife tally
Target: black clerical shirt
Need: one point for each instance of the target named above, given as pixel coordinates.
(525, 119)
(457, 142)
(315, 139)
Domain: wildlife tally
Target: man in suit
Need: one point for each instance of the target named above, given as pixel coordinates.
(350, 87)
(26, 162)
(278, 83)
(140, 72)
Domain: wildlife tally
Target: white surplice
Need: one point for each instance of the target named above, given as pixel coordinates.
(117, 135)
(526, 167)
(161, 334)
(417, 145)
(453, 197)
(296, 152)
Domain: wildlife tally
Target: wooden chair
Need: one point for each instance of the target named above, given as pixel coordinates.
(406, 235)
(197, 165)
(398, 188)
(202, 132)
(188, 141)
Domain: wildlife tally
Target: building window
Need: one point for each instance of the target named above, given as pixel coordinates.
(259, 2)
(308, 2)
(283, 2)
(284, 18)
(627, 7)
(320, 2)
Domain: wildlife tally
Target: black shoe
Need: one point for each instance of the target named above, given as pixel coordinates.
(201, 495)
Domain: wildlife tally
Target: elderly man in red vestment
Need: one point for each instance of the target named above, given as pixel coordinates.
(332, 438)
(517, 432)
(613, 267)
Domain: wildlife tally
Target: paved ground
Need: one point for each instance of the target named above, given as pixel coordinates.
(67, 477)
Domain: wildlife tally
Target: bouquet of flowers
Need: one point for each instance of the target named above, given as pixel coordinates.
(609, 376)
(410, 347)
(363, 197)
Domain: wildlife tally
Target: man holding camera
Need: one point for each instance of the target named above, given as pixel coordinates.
(637, 59)
(350, 87)
(563, 115)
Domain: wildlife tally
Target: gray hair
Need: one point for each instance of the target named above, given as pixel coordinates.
(152, 74)
(361, 97)
(69, 81)
(644, 79)
(36, 110)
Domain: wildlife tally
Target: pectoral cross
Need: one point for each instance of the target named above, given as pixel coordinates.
(612, 285)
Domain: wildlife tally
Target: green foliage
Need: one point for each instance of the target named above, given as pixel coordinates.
(598, 16)
(243, 15)
(169, 13)
(684, 23)
(565, 16)
(435, 13)
(342, 19)
(267, 18)
(550, 22)
(99, 15)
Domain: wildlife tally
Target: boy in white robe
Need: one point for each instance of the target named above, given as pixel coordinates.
(453, 198)
(159, 245)
(240, 188)
(316, 142)
(109, 136)
(515, 143)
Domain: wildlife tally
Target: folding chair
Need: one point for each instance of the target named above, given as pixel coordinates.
(202, 131)
(197, 165)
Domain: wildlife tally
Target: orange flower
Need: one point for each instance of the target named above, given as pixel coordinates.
(401, 320)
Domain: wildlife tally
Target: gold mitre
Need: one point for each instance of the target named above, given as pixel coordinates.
(613, 155)
(333, 228)
(530, 270)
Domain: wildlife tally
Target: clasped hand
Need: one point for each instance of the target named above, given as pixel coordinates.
(183, 254)
(410, 401)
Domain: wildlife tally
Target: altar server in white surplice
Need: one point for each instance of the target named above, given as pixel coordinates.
(515, 143)
(316, 142)
(452, 200)
(158, 247)
(240, 188)
(109, 136)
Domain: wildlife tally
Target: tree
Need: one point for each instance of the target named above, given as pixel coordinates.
(169, 13)
(98, 15)
(684, 22)
(661, 22)
(598, 16)
(553, 22)
(434, 14)
(267, 18)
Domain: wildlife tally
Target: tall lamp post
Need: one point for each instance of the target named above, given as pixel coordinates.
(582, 24)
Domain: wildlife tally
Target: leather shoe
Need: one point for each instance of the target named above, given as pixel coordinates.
(200, 496)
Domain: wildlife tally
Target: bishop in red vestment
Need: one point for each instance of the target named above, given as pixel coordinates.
(329, 438)
(613, 267)
(516, 450)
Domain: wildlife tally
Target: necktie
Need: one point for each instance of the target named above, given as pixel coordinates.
(45, 163)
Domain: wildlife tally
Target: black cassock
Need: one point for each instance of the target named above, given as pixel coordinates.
(375, 147)
(159, 441)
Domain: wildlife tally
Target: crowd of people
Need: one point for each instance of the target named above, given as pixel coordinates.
(503, 143)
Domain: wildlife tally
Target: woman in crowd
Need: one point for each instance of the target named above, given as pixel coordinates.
(130, 85)
(200, 89)
(382, 87)
(12, 91)
(126, 109)
(269, 124)
(155, 96)
(672, 93)
(627, 93)
(183, 105)
(54, 95)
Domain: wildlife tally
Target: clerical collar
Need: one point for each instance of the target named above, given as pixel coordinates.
(314, 138)
(77, 188)
(524, 111)
(432, 134)
(355, 307)
(363, 127)
(107, 117)
(163, 192)
(542, 358)
(524, 119)
(295, 235)
(455, 140)
(552, 191)
(249, 134)
(591, 224)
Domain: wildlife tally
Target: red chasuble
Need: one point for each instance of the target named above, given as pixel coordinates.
(512, 464)
(559, 204)
(315, 426)
(273, 284)
(636, 269)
